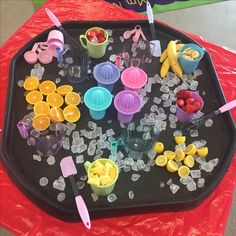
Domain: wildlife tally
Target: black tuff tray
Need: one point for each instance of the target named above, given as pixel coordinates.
(25, 172)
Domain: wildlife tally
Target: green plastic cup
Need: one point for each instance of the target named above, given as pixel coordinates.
(95, 50)
(102, 190)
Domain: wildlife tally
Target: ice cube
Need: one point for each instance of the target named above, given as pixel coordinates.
(191, 186)
(66, 143)
(71, 125)
(135, 177)
(194, 133)
(174, 188)
(31, 141)
(177, 133)
(20, 83)
(43, 181)
(209, 123)
(127, 168)
(164, 89)
(139, 128)
(62, 73)
(214, 162)
(167, 103)
(91, 150)
(173, 125)
(193, 85)
(185, 180)
(200, 160)
(131, 194)
(112, 58)
(61, 197)
(94, 197)
(152, 162)
(110, 132)
(151, 154)
(75, 135)
(169, 182)
(79, 159)
(80, 185)
(99, 152)
(109, 48)
(69, 60)
(147, 167)
(173, 118)
(165, 96)
(197, 73)
(83, 147)
(30, 107)
(37, 157)
(156, 100)
(119, 155)
(131, 126)
(140, 164)
(195, 174)
(59, 184)
(134, 167)
(51, 160)
(58, 80)
(162, 184)
(111, 197)
(35, 133)
(200, 183)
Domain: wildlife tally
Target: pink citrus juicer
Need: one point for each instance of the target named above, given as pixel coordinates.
(69, 170)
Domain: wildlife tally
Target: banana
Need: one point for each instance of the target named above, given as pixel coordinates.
(163, 56)
(179, 46)
(165, 68)
(173, 58)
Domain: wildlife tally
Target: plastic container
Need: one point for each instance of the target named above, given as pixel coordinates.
(97, 99)
(55, 39)
(184, 116)
(189, 66)
(106, 75)
(102, 190)
(127, 103)
(133, 78)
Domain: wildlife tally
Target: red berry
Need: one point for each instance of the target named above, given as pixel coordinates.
(180, 102)
(197, 105)
(100, 32)
(101, 39)
(190, 108)
(190, 100)
(183, 93)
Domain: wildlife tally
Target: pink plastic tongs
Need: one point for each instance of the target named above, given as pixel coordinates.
(137, 31)
(69, 170)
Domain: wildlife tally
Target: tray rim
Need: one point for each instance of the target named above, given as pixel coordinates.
(49, 206)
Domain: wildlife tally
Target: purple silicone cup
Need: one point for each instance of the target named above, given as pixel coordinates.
(127, 103)
(106, 75)
(184, 116)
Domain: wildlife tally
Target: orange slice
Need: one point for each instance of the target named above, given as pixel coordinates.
(47, 87)
(64, 89)
(55, 100)
(41, 108)
(72, 98)
(56, 114)
(31, 83)
(34, 96)
(71, 113)
(41, 122)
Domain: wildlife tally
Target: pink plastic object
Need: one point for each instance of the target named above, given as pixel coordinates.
(184, 116)
(68, 167)
(133, 78)
(53, 18)
(68, 170)
(228, 106)
(45, 57)
(127, 103)
(137, 31)
(55, 39)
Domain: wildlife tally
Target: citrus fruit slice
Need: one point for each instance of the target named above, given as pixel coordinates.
(56, 114)
(180, 139)
(34, 96)
(71, 113)
(41, 122)
(161, 160)
(202, 151)
(72, 98)
(55, 100)
(189, 161)
(179, 155)
(41, 108)
(31, 83)
(170, 155)
(191, 149)
(47, 87)
(183, 171)
(158, 147)
(64, 89)
(172, 166)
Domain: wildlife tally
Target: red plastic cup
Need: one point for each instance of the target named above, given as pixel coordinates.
(185, 116)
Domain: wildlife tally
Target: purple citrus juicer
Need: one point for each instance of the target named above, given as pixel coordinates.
(68, 169)
(133, 78)
(127, 103)
(196, 123)
(106, 74)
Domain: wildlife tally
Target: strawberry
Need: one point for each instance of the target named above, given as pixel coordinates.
(92, 33)
(197, 105)
(101, 39)
(180, 102)
(183, 93)
(100, 32)
(190, 101)
(190, 108)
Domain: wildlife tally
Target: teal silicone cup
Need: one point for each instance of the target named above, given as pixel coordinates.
(189, 66)
(97, 99)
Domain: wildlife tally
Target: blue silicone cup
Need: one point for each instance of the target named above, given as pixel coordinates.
(189, 66)
(97, 99)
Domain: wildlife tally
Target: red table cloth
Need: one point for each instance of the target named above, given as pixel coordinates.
(19, 215)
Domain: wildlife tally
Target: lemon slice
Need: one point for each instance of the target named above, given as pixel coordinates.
(183, 171)
(179, 155)
(170, 155)
(180, 139)
(161, 160)
(189, 161)
(172, 166)
(158, 147)
(202, 151)
(191, 149)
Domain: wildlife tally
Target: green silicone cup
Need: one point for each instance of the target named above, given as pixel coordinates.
(102, 190)
(95, 50)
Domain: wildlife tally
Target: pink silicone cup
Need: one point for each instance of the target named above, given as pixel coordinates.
(55, 35)
(133, 78)
(68, 167)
